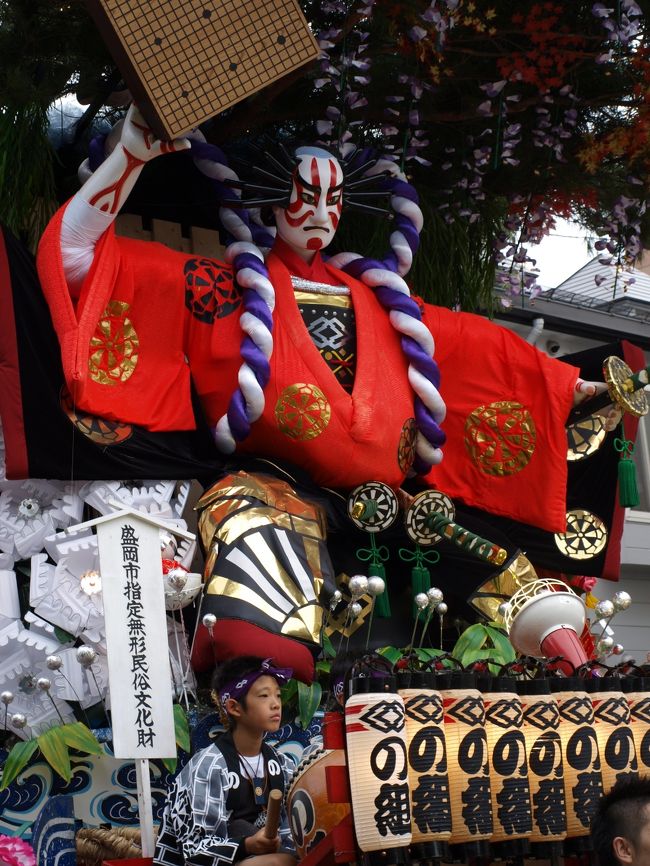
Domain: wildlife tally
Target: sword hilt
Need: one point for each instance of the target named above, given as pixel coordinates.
(467, 541)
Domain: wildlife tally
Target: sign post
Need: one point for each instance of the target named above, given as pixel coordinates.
(139, 673)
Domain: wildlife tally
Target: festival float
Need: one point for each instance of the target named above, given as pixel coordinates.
(243, 448)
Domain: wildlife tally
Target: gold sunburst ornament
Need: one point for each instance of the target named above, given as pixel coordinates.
(500, 437)
(302, 411)
(585, 536)
(114, 346)
(406, 446)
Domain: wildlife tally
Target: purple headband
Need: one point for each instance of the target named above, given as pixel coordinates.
(238, 688)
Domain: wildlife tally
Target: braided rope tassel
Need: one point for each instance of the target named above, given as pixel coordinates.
(386, 279)
(250, 273)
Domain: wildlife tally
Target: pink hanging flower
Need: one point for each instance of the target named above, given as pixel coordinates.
(15, 852)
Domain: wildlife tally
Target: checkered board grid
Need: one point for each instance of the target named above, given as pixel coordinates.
(188, 60)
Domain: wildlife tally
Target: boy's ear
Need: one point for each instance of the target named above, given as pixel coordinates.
(233, 708)
(623, 849)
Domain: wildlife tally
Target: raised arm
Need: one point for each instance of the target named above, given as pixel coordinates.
(92, 210)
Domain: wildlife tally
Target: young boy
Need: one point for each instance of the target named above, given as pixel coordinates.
(216, 809)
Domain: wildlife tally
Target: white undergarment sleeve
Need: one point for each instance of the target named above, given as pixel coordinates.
(81, 228)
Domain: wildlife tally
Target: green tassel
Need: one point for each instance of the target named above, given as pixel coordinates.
(628, 492)
(382, 602)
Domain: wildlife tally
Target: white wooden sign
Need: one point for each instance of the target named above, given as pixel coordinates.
(136, 637)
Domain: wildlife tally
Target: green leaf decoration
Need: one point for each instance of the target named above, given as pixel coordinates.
(471, 640)
(170, 763)
(308, 702)
(17, 760)
(328, 646)
(289, 692)
(181, 730)
(55, 751)
(503, 649)
(391, 653)
(425, 654)
(78, 736)
(63, 636)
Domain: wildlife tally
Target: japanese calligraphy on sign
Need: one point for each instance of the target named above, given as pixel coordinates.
(136, 629)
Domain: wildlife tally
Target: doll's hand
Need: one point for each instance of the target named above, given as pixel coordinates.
(261, 844)
(586, 390)
(140, 141)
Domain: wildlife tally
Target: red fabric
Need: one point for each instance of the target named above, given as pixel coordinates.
(232, 638)
(362, 437)
(149, 278)
(13, 421)
(482, 363)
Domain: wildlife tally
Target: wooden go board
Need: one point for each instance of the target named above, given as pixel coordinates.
(187, 60)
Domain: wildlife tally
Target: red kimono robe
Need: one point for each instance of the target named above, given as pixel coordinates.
(149, 318)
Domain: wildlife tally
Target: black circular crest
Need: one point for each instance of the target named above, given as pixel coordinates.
(210, 291)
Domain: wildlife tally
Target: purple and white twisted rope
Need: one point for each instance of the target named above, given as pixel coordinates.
(245, 255)
(386, 279)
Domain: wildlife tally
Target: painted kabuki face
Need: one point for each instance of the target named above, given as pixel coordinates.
(310, 222)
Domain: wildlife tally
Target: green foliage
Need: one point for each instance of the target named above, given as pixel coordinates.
(482, 80)
(54, 745)
(55, 751)
(17, 760)
(483, 641)
(77, 736)
(309, 697)
(182, 736)
(181, 728)
(27, 196)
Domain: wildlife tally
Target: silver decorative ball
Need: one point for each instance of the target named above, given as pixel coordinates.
(209, 621)
(604, 645)
(177, 578)
(6, 698)
(376, 585)
(335, 600)
(621, 600)
(421, 600)
(18, 720)
(442, 609)
(358, 585)
(86, 656)
(503, 608)
(355, 609)
(54, 663)
(618, 649)
(435, 595)
(604, 609)
(44, 684)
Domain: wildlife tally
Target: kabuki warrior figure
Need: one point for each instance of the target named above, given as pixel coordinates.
(312, 373)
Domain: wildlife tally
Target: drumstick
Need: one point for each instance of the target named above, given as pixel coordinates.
(273, 814)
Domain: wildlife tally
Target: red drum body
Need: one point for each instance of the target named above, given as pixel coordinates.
(311, 815)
